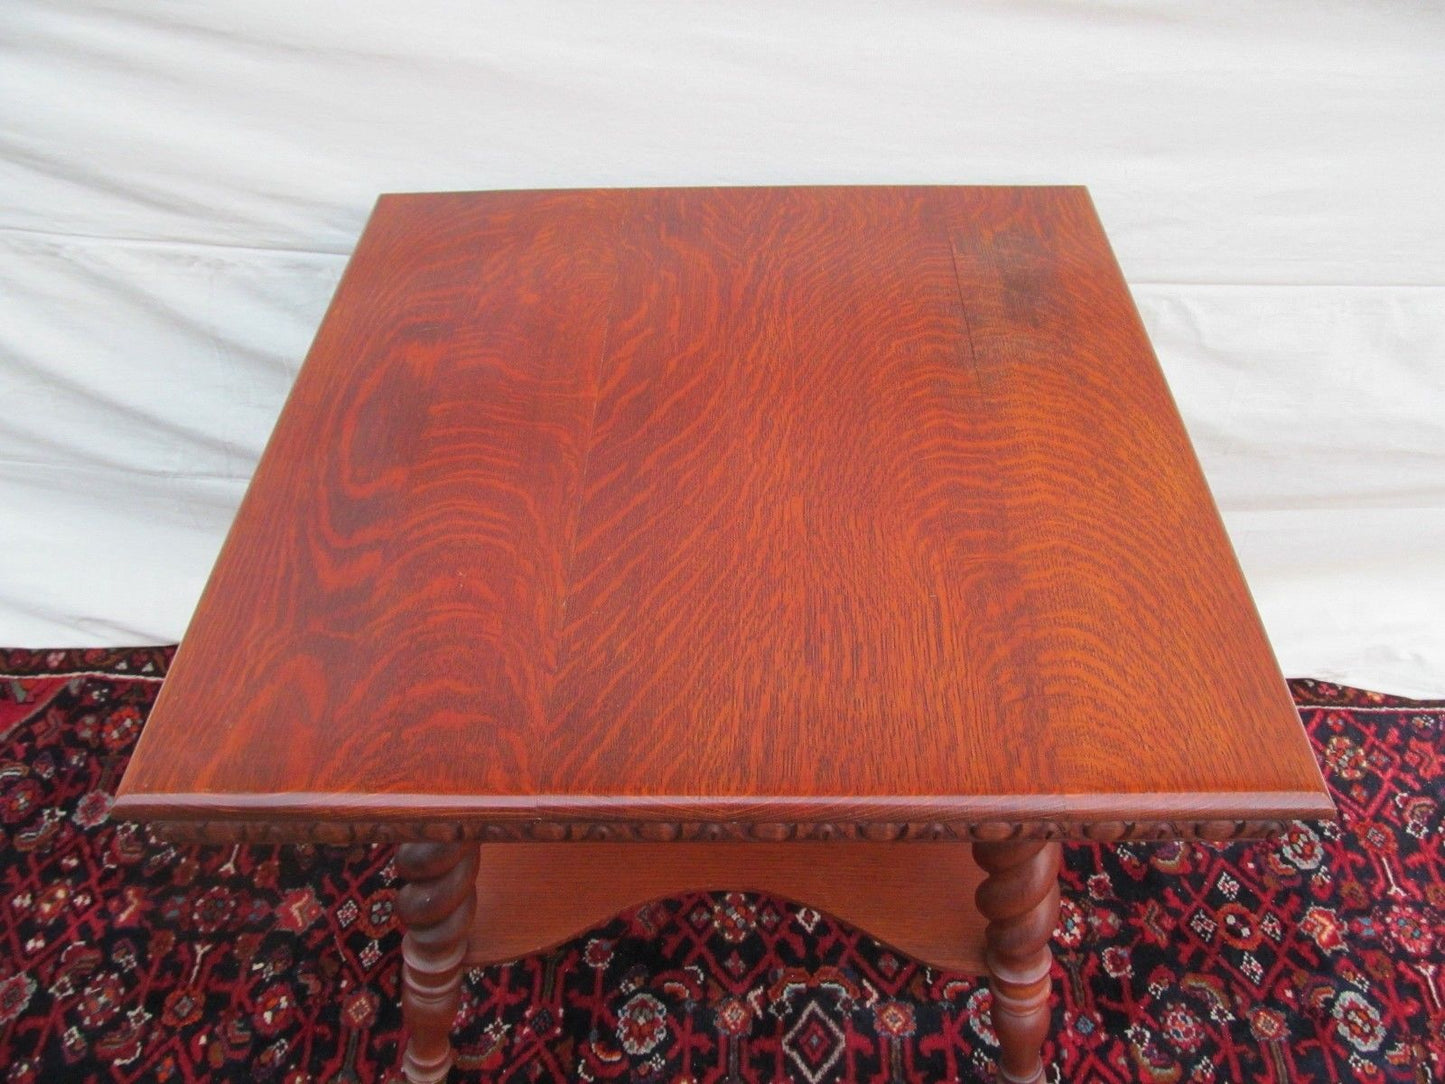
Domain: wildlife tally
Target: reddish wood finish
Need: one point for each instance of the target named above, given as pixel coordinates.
(802, 505)
(673, 516)
(1020, 900)
(444, 825)
(532, 896)
(436, 906)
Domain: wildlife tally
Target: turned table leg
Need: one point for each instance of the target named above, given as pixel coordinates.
(1020, 899)
(436, 906)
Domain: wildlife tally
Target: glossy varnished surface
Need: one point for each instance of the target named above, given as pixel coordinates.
(785, 505)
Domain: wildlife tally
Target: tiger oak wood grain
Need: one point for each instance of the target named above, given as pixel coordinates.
(678, 505)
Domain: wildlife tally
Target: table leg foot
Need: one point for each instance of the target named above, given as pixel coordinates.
(436, 906)
(1020, 899)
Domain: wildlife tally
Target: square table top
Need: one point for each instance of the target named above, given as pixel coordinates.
(753, 512)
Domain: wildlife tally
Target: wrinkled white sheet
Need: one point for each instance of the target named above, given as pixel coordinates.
(180, 184)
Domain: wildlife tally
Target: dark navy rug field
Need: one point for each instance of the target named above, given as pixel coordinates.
(1315, 958)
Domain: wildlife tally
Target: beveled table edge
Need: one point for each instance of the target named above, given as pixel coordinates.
(396, 818)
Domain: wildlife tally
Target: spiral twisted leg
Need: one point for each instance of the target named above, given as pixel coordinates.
(436, 906)
(1020, 899)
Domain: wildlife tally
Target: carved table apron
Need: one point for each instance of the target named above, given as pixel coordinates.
(838, 543)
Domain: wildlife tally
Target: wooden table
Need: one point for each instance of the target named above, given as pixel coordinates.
(615, 543)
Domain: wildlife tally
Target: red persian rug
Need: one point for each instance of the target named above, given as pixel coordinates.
(1319, 957)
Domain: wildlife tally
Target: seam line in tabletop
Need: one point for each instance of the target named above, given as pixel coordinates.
(963, 308)
(575, 515)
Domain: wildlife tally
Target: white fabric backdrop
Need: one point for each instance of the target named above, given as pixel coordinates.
(180, 185)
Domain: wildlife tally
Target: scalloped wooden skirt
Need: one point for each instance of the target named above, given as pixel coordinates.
(918, 900)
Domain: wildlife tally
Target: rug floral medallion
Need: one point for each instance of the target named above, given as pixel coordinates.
(1317, 957)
